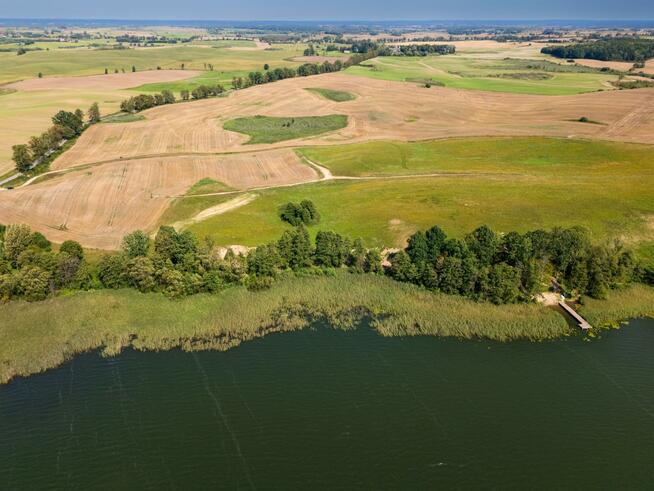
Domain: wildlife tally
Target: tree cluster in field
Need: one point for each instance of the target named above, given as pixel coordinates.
(510, 268)
(66, 125)
(616, 49)
(421, 50)
(142, 102)
(175, 264)
(303, 213)
(268, 76)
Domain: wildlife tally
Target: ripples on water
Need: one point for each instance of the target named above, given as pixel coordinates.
(329, 409)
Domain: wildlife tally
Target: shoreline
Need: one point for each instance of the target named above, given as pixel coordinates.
(29, 344)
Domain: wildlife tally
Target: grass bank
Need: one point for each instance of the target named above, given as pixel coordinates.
(122, 118)
(38, 336)
(268, 129)
(384, 212)
(484, 71)
(637, 301)
(538, 156)
(333, 95)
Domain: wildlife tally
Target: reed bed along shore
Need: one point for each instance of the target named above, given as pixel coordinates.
(37, 336)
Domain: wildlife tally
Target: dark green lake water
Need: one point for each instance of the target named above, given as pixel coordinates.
(324, 408)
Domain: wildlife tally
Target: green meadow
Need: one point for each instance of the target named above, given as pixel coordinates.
(607, 188)
(533, 155)
(524, 76)
(268, 129)
(122, 118)
(333, 95)
(223, 78)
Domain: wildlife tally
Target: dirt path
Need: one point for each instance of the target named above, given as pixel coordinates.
(216, 210)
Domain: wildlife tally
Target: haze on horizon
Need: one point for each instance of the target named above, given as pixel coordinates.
(291, 10)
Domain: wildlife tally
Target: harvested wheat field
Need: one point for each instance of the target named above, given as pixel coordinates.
(104, 82)
(382, 110)
(649, 67)
(97, 206)
(621, 66)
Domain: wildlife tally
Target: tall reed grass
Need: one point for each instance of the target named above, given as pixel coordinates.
(38, 336)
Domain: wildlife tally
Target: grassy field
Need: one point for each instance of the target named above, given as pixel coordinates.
(605, 187)
(469, 71)
(123, 118)
(93, 62)
(334, 95)
(37, 336)
(267, 129)
(533, 155)
(223, 78)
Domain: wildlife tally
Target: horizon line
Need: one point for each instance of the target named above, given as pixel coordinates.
(557, 19)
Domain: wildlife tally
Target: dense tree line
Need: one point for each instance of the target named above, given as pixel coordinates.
(66, 125)
(305, 70)
(483, 266)
(142, 102)
(175, 264)
(617, 49)
(510, 268)
(421, 50)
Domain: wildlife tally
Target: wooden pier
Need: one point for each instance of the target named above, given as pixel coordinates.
(581, 322)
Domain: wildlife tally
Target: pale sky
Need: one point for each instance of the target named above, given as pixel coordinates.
(329, 10)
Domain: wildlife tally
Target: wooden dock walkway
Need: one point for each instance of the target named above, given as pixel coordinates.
(581, 322)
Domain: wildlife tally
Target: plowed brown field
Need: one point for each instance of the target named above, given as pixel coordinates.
(97, 206)
(382, 110)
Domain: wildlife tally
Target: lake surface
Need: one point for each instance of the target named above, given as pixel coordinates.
(324, 408)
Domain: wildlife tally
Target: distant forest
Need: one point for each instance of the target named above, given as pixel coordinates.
(619, 49)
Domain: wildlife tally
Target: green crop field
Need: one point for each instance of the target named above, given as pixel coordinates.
(333, 95)
(266, 129)
(467, 71)
(611, 193)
